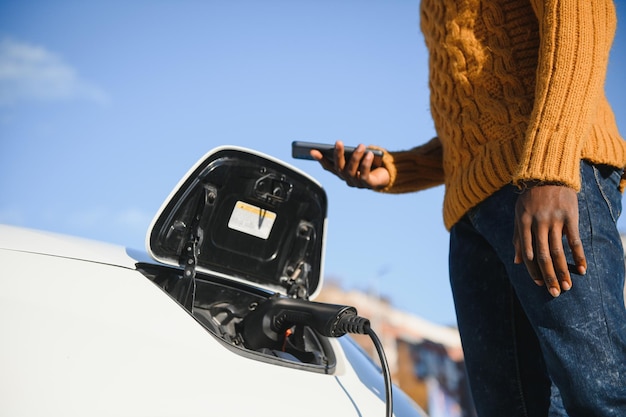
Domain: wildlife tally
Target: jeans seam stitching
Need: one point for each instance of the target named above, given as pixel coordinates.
(515, 352)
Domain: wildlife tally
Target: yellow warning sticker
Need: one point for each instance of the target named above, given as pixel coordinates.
(252, 220)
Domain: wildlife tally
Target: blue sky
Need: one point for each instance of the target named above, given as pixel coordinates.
(104, 106)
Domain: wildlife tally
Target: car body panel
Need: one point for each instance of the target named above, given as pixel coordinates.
(129, 349)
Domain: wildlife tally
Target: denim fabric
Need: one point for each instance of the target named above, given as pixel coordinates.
(526, 353)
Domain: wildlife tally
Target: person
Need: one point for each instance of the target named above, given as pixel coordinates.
(532, 161)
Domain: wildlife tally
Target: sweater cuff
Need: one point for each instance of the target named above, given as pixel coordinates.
(413, 170)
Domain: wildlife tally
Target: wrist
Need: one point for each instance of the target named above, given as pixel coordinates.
(526, 184)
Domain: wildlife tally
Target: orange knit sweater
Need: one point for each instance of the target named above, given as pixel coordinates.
(517, 94)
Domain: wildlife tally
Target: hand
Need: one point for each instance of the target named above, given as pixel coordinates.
(543, 215)
(357, 171)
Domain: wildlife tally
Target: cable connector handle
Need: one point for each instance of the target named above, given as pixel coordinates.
(351, 323)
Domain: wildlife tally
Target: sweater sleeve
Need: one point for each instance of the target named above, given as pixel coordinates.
(416, 169)
(575, 39)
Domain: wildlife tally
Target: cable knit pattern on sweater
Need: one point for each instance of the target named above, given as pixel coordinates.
(516, 95)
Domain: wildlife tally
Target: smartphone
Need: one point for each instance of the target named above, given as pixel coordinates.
(302, 150)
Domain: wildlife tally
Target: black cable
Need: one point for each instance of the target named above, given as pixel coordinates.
(386, 373)
(351, 323)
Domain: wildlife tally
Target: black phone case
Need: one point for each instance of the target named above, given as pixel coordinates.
(301, 150)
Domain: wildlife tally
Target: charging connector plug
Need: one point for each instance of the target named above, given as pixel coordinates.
(264, 327)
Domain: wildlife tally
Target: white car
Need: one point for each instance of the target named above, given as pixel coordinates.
(215, 320)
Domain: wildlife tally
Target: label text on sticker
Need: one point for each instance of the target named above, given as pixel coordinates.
(252, 220)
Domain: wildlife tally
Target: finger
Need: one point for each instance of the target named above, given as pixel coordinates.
(559, 262)
(576, 246)
(339, 158)
(535, 273)
(526, 249)
(517, 245)
(365, 167)
(544, 260)
(527, 254)
(353, 164)
(326, 163)
(317, 155)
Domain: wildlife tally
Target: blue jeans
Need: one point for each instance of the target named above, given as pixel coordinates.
(526, 353)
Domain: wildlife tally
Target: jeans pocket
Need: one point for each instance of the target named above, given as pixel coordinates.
(608, 179)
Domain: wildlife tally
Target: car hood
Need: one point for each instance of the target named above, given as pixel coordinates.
(48, 243)
(246, 216)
